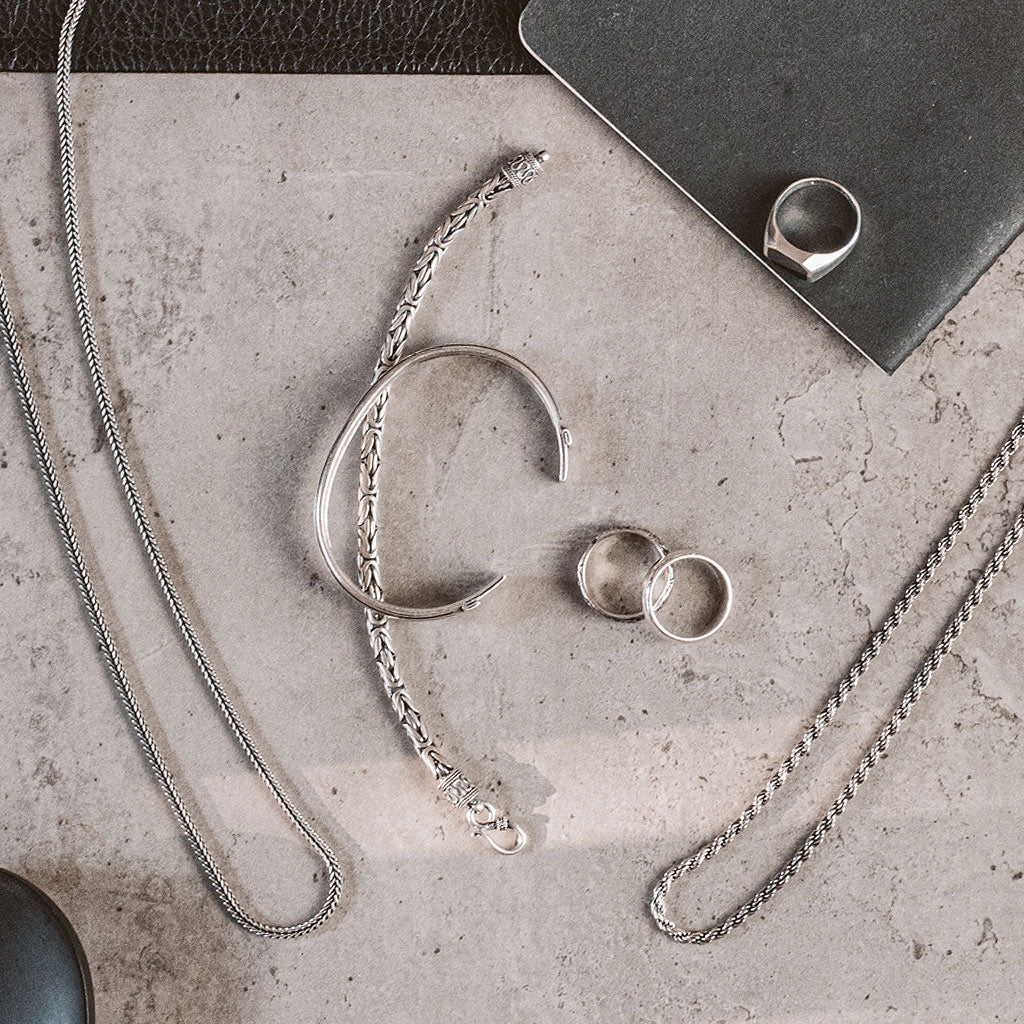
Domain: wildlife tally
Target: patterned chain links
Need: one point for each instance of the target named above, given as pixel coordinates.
(910, 696)
(455, 786)
(108, 646)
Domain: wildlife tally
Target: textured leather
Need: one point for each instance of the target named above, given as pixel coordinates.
(917, 107)
(299, 36)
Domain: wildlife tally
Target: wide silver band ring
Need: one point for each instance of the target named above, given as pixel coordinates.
(809, 265)
(651, 604)
(605, 539)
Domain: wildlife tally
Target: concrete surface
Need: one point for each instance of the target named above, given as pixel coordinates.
(247, 238)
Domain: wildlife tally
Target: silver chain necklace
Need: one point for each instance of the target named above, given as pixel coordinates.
(108, 646)
(911, 695)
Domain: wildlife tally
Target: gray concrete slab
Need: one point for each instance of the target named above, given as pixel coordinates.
(247, 238)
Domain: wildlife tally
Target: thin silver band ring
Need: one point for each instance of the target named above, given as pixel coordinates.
(650, 605)
(599, 541)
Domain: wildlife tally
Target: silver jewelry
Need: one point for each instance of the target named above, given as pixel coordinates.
(911, 695)
(347, 435)
(482, 817)
(522, 169)
(22, 383)
(657, 583)
(652, 598)
(844, 224)
(599, 545)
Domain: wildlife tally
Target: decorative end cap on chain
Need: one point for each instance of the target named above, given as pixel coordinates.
(458, 789)
(521, 170)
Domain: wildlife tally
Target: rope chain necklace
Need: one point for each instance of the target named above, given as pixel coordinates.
(37, 433)
(910, 696)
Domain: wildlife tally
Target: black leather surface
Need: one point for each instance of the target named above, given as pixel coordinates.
(44, 978)
(917, 107)
(304, 36)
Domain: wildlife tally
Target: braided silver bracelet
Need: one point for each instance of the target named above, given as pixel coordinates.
(484, 819)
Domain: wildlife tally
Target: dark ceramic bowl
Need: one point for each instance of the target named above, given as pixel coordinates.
(44, 977)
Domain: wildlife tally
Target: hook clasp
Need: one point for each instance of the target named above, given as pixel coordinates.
(485, 821)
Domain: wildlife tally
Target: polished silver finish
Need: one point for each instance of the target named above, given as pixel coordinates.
(603, 540)
(878, 639)
(809, 265)
(651, 603)
(65, 524)
(507, 177)
(347, 435)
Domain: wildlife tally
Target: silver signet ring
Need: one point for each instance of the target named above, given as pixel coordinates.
(813, 226)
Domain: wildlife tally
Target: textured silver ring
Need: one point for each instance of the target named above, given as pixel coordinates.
(809, 264)
(652, 604)
(604, 539)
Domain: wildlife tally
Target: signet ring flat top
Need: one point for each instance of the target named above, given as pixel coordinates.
(813, 226)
